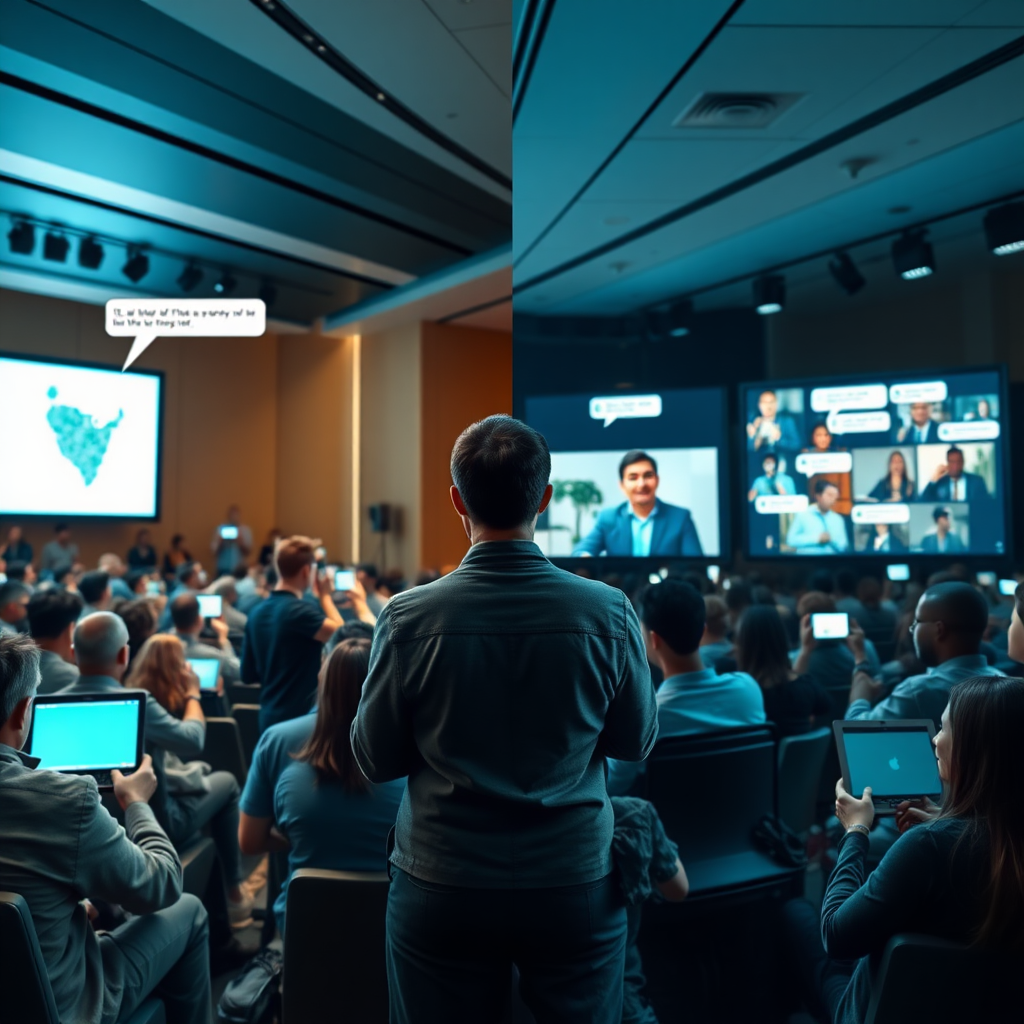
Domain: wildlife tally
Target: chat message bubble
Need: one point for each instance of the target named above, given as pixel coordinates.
(773, 504)
(145, 320)
(624, 407)
(926, 391)
(850, 396)
(884, 512)
(859, 422)
(810, 463)
(976, 430)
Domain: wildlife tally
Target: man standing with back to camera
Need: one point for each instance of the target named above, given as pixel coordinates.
(498, 690)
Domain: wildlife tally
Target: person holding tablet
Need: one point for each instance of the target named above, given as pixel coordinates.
(955, 877)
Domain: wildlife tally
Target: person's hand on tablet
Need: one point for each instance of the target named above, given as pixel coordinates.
(807, 641)
(855, 641)
(915, 812)
(850, 811)
(136, 788)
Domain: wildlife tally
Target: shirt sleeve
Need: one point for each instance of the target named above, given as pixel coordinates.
(382, 731)
(258, 796)
(631, 721)
(306, 618)
(186, 739)
(141, 873)
(901, 703)
(797, 535)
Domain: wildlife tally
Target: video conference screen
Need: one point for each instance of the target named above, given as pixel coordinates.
(634, 475)
(884, 465)
(80, 440)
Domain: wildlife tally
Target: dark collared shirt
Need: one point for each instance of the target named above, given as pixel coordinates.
(498, 690)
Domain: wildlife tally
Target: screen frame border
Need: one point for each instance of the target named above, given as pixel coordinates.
(87, 364)
(913, 558)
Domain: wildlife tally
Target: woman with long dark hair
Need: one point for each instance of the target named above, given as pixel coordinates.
(957, 873)
(305, 792)
(896, 485)
(793, 702)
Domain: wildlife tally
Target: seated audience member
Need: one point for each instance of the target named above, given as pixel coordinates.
(96, 593)
(284, 636)
(830, 662)
(714, 644)
(266, 556)
(112, 565)
(692, 699)
(845, 592)
(60, 551)
(137, 580)
(196, 797)
(948, 625)
(305, 792)
(188, 624)
(14, 597)
(819, 530)
(139, 616)
(143, 555)
(189, 578)
(795, 703)
(350, 631)
(60, 846)
(738, 598)
(366, 573)
(944, 539)
(22, 572)
(227, 590)
(875, 617)
(1015, 634)
(52, 615)
(255, 589)
(16, 548)
(176, 555)
(956, 876)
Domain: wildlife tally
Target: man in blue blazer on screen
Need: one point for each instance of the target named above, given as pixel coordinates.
(641, 526)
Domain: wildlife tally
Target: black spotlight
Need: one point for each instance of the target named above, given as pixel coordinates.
(225, 284)
(90, 253)
(912, 256)
(680, 318)
(22, 237)
(137, 265)
(770, 294)
(190, 277)
(268, 293)
(847, 276)
(55, 247)
(1004, 229)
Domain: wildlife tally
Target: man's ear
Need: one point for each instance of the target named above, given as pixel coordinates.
(20, 714)
(457, 501)
(545, 498)
(123, 655)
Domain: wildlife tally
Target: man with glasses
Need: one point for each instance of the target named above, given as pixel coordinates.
(948, 625)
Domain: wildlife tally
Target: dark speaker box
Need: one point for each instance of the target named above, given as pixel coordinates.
(380, 518)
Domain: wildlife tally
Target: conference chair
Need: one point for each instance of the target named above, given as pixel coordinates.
(710, 791)
(334, 959)
(243, 693)
(27, 995)
(971, 984)
(214, 705)
(197, 860)
(223, 750)
(248, 718)
(800, 762)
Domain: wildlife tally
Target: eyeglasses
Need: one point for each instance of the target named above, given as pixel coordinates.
(922, 622)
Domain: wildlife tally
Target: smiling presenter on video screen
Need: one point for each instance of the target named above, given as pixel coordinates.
(643, 525)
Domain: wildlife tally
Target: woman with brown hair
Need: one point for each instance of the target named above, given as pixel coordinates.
(305, 792)
(195, 796)
(955, 873)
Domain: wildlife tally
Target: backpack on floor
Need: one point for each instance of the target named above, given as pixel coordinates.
(251, 997)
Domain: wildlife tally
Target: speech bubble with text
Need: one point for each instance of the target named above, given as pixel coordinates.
(926, 391)
(624, 407)
(773, 504)
(883, 512)
(810, 463)
(872, 422)
(850, 396)
(145, 320)
(969, 430)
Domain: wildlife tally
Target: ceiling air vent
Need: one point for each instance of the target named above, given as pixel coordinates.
(736, 110)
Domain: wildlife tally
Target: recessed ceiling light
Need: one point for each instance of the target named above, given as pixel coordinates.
(381, 97)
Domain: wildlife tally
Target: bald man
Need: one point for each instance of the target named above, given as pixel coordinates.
(948, 626)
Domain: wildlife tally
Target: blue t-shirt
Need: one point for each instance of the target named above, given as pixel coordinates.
(281, 653)
(327, 826)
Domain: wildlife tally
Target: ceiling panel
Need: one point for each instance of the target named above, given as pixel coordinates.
(852, 12)
(489, 47)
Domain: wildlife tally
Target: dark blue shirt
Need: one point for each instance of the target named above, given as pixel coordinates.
(282, 653)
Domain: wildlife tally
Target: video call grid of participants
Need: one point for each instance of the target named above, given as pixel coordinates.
(874, 468)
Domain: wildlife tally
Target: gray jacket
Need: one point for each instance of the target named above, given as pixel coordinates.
(499, 690)
(57, 674)
(60, 846)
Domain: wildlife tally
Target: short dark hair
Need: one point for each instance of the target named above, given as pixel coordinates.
(940, 512)
(293, 554)
(51, 611)
(12, 590)
(770, 455)
(500, 467)
(184, 571)
(93, 585)
(357, 630)
(846, 581)
(954, 451)
(185, 611)
(960, 607)
(60, 527)
(633, 456)
(133, 577)
(368, 568)
(675, 611)
(16, 570)
(820, 486)
(823, 580)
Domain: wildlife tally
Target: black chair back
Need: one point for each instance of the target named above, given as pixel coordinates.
(223, 749)
(248, 718)
(801, 759)
(26, 989)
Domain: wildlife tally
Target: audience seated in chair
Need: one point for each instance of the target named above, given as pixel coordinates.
(94, 587)
(715, 644)
(61, 847)
(52, 615)
(112, 565)
(305, 792)
(13, 607)
(692, 699)
(828, 661)
(188, 624)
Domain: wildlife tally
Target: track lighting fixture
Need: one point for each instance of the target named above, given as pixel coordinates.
(912, 255)
(845, 271)
(769, 294)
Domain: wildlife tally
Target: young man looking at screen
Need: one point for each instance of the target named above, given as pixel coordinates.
(643, 525)
(499, 689)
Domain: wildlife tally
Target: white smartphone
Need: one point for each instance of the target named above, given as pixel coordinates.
(229, 533)
(714, 573)
(1007, 587)
(830, 625)
(898, 573)
(210, 605)
(344, 579)
(154, 588)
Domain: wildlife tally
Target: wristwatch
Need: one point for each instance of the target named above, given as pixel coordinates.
(192, 696)
(862, 666)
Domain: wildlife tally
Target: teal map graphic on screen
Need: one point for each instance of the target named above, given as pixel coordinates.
(81, 442)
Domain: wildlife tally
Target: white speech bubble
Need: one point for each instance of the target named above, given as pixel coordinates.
(926, 391)
(883, 512)
(976, 430)
(624, 407)
(810, 463)
(876, 421)
(773, 504)
(149, 319)
(850, 396)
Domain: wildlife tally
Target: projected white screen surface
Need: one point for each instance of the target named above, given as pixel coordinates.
(82, 441)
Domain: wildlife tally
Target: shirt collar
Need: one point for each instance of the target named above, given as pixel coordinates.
(963, 661)
(686, 680)
(10, 755)
(650, 515)
(496, 552)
